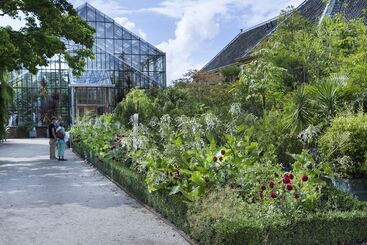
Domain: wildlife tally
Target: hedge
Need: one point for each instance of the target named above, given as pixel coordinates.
(323, 228)
(171, 207)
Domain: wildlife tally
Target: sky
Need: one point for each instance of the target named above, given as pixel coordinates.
(191, 32)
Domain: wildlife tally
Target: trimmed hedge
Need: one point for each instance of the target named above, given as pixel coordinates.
(326, 228)
(171, 207)
(323, 228)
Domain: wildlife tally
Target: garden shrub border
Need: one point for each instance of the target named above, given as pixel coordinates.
(327, 228)
(171, 207)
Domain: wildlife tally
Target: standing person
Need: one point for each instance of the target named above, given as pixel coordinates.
(60, 133)
(52, 136)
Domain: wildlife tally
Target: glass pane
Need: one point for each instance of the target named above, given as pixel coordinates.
(118, 32)
(118, 46)
(144, 47)
(127, 46)
(100, 30)
(136, 61)
(127, 59)
(152, 50)
(109, 30)
(99, 17)
(126, 35)
(136, 47)
(109, 46)
(91, 14)
(83, 13)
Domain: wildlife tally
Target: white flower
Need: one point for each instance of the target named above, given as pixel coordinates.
(235, 110)
(211, 121)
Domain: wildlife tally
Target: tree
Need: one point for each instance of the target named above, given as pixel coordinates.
(230, 73)
(49, 25)
(6, 93)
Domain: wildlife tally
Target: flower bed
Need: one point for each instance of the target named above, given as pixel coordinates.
(319, 228)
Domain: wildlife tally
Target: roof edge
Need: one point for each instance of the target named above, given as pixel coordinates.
(251, 28)
(130, 32)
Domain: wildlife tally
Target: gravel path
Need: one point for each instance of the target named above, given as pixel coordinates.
(53, 202)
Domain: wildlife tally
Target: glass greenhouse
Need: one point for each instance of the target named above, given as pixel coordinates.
(122, 61)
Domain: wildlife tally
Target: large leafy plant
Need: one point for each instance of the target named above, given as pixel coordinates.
(344, 145)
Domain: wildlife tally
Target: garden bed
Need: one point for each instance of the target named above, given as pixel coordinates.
(324, 228)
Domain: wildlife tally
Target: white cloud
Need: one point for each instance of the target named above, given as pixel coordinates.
(196, 25)
(125, 22)
(200, 21)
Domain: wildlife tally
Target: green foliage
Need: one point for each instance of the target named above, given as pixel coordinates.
(136, 101)
(258, 83)
(344, 145)
(230, 73)
(245, 156)
(222, 217)
(301, 114)
(46, 23)
(6, 92)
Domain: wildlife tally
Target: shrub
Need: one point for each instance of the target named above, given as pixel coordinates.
(222, 217)
(230, 73)
(344, 145)
(136, 102)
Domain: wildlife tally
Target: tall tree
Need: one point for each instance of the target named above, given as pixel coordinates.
(49, 24)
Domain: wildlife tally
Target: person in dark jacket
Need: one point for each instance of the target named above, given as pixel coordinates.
(52, 136)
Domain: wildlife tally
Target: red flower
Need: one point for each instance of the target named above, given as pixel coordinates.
(289, 187)
(286, 180)
(273, 194)
(304, 178)
(291, 176)
(271, 184)
(223, 152)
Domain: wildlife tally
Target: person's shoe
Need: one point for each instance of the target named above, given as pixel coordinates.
(63, 159)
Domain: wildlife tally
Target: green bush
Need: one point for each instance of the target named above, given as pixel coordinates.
(344, 145)
(222, 217)
(136, 102)
(230, 73)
